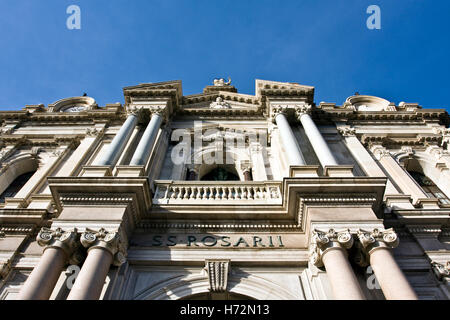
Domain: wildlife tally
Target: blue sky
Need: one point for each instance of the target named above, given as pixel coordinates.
(321, 43)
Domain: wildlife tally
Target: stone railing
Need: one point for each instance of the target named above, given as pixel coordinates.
(223, 192)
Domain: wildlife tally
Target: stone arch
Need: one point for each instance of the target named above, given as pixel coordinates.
(15, 166)
(251, 286)
(238, 157)
(423, 162)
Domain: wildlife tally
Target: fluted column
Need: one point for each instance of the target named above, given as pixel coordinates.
(59, 248)
(328, 249)
(145, 146)
(104, 249)
(288, 139)
(318, 143)
(115, 149)
(393, 282)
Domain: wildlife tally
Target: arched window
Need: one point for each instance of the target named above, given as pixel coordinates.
(430, 188)
(15, 186)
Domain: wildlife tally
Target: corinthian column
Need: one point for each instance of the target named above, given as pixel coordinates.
(59, 248)
(318, 143)
(119, 142)
(104, 249)
(288, 139)
(392, 281)
(328, 249)
(145, 146)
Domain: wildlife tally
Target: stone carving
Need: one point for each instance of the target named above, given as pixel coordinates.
(347, 131)
(377, 238)
(133, 110)
(219, 104)
(65, 240)
(442, 272)
(276, 110)
(321, 241)
(380, 152)
(302, 109)
(93, 132)
(217, 274)
(102, 238)
(221, 82)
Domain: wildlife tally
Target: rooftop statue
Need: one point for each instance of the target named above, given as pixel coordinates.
(221, 82)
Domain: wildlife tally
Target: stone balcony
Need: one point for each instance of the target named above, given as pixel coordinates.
(169, 192)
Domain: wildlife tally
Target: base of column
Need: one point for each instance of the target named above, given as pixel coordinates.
(338, 171)
(96, 171)
(303, 171)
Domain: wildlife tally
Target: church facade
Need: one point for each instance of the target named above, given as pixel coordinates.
(223, 195)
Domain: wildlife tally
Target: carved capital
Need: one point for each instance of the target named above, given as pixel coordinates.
(217, 274)
(372, 240)
(276, 110)
(107, 240)
(323, 241)
(135, 111)
(347, 131)
(379, 152)
(302, 109)
(65, 240)
(442, 272)
(93, 132)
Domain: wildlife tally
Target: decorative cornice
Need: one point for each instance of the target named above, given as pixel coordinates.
(217, 274)
(323, 241)
(65, 240)
(108, 240)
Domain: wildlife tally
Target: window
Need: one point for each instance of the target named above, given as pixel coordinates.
(220, 174)
(430, 188)
(15, 186)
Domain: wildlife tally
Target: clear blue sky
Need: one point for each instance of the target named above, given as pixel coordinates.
(323, 43)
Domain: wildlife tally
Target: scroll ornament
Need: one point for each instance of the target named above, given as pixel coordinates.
(323, 241)
(65, 240)
(108, 240)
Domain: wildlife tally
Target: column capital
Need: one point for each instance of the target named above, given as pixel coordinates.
(276, 110)
(300, 110)
(108, 240)
(65, 240)
(133, 110)
(377, 238)
(347, 131)
(441, 271)
(379, 151)
(323, 241)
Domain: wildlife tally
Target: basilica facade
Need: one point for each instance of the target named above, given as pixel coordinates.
(223, 195)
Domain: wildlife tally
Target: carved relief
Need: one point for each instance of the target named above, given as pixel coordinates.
(217, 274)
(220, 104)
(347, 131)
(442, 272)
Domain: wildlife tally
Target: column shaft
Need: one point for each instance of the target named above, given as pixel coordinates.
(43, 278)
(145, 146)
(342, 278)
(318, 143)
(393, 282)
(119, 142)
(289, 141)
(90, 280)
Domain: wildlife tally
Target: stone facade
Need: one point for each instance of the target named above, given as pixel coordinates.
(222, 195)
